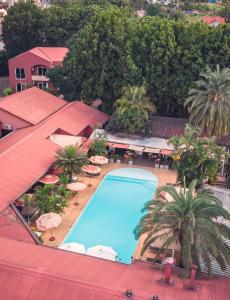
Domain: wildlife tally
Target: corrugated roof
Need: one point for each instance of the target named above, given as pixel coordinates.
(36, 272)
(27, 154)
(32, 105)
(166, 127)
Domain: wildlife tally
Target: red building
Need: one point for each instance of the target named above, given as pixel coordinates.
(30, 67)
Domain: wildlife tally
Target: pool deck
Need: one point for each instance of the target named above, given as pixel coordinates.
(72, 212)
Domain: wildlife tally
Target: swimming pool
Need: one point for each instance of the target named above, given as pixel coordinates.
(113, 212)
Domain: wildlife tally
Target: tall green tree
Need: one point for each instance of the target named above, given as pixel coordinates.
(62, 22)
(153, 50)
(23, 28)
(191, 220)
(100, 60)
(70, 160)
(132, 111)
(155, 9)
(196, 157)
(209, 102)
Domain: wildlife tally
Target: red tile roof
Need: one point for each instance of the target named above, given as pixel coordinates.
(29, 271)
(27, 154)
(51, 54)
(212, 19)
(32, 105)
(12, 228)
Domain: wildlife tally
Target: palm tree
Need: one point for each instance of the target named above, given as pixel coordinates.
(133, 110)
(49, 199)
(70, 160)
(209, 102)
(196, 157)
(192, 220)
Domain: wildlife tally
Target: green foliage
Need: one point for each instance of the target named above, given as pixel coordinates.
(49, 199)
(110, 49)
(3, 64)
(27, 26)
(22, 28)
(155, 9)
(195, 157)
(226, 12)
(8, 91)
(190, 220)
(98, 147)
(63, 179)
(209, 102)
(153, 53)
(100, 61)
(70, 160)
(132, 112)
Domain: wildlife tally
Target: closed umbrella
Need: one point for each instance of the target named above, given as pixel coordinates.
(49, 179)
(73, 247)
(99, 160)
(48, 222)
(104, 252)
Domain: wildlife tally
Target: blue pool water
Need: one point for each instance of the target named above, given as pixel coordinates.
(113, 212)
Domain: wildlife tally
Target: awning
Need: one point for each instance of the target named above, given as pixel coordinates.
(116, 145)
(136, 148)
(152, 150)
(66, 140)
(166, 152)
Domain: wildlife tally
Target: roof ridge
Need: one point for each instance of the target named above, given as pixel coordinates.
(37, 127)
(39, 48)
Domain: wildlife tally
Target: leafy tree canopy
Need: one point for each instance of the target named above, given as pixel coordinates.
(196, 157)
(23, 28)
(132, 112)
(209, 102)
(191, 221)
(100, 61)
(155, 9)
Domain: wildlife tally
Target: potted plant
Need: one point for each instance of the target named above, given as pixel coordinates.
(118, 158)
(129, 155)
(112, 158)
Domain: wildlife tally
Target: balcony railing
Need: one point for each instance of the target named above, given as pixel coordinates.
(39, 78)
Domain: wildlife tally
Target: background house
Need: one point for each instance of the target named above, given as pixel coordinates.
(213, 21)
(30, 67)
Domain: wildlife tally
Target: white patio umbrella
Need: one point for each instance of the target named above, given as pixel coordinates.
(73, 247)
(48, 222)
(104, 252)
(99, 160)
(76, 186)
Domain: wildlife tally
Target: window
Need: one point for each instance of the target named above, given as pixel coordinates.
(20, 87)
(20, 73)
(41, 71)
(43, 85)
